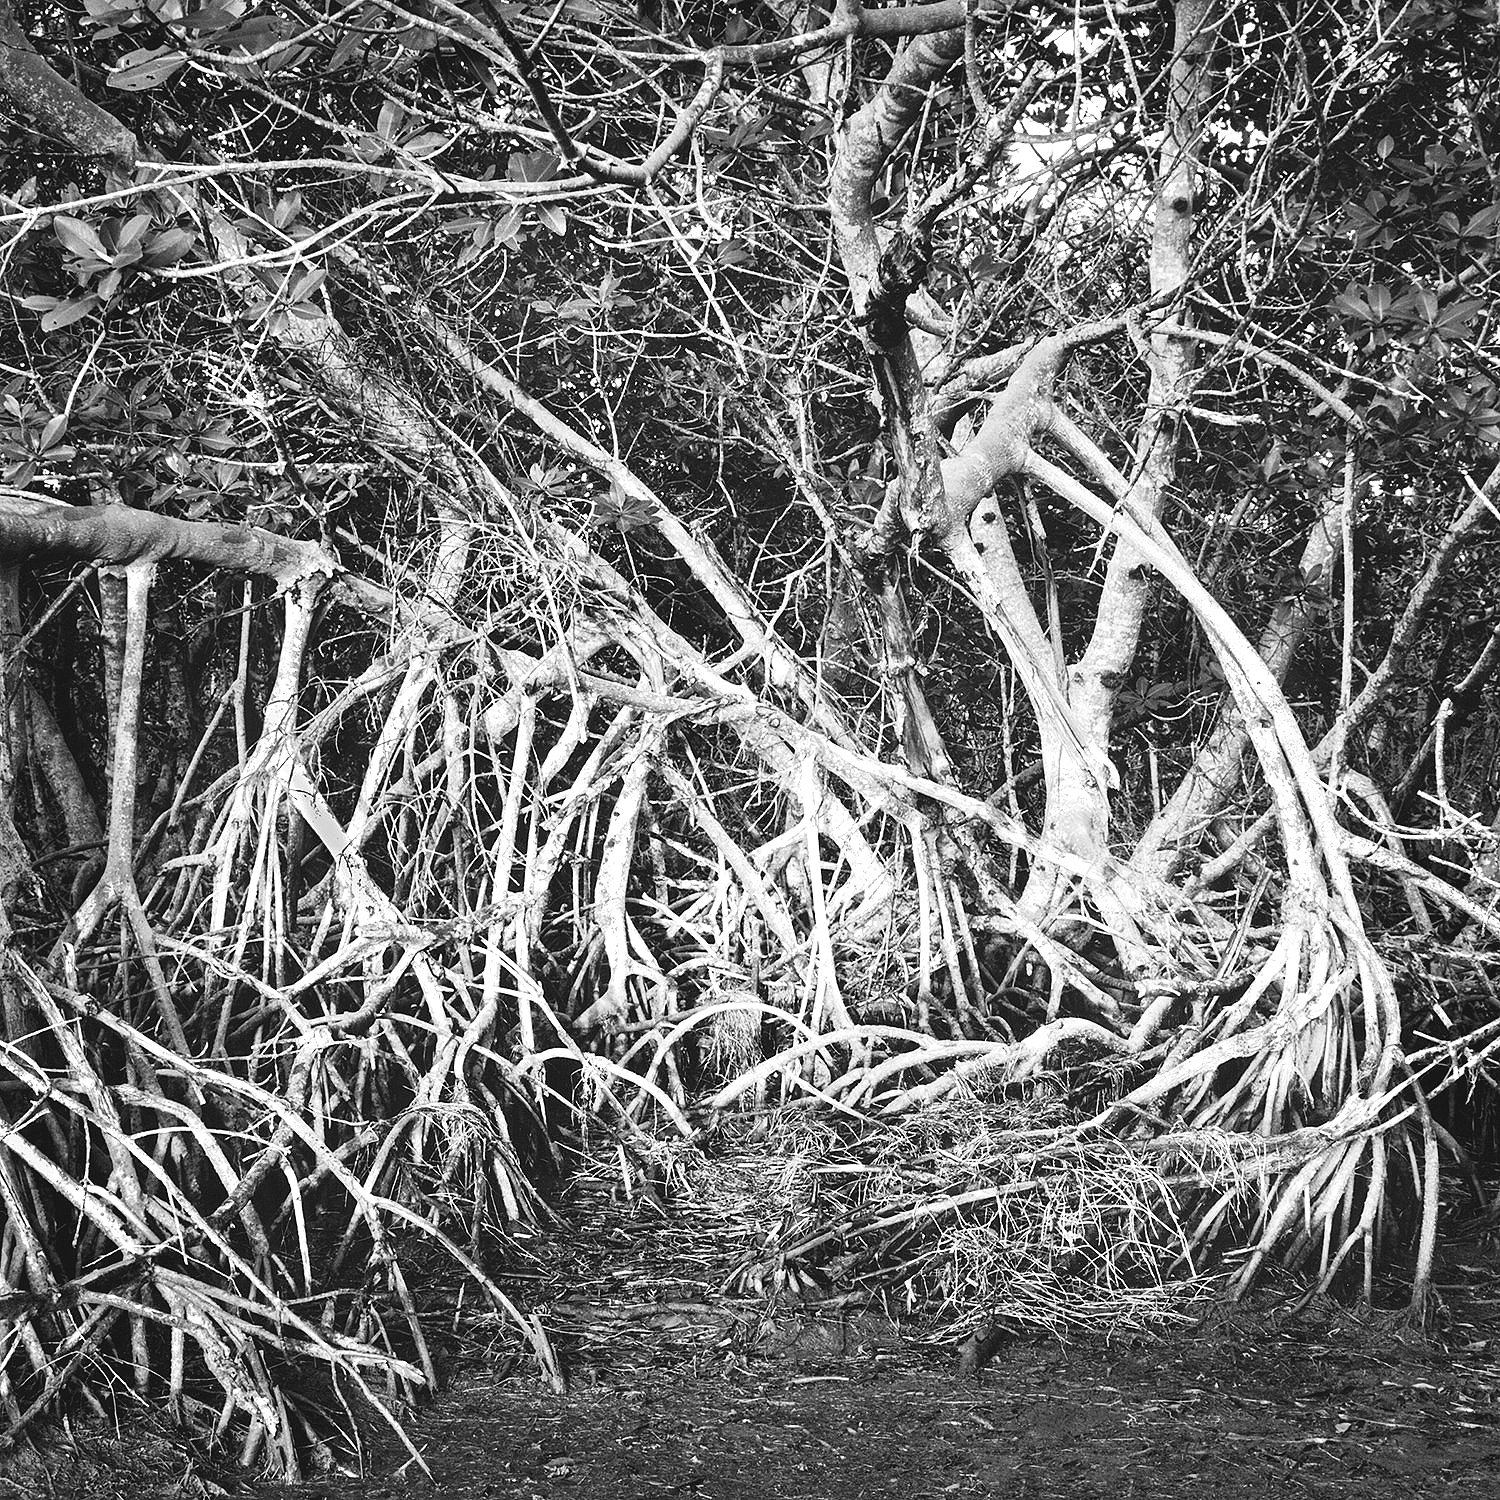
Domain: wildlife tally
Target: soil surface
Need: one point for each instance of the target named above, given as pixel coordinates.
(674, 1391)
(1326, 1404)
(1202, 1418)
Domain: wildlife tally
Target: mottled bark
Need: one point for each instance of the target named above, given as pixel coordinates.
(1078, 812)
(1215, 772)
(119, 535)
(53, 758)
(40, 94)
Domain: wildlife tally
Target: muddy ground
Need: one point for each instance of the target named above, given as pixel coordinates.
(672, 1396)
(1326, 1404)
(1238, 1410)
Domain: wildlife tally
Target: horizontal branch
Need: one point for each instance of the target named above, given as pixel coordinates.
(897, 22)
(34, 530)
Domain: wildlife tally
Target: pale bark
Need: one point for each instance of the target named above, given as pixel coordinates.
(54, 759)
(120, 536)
(1216, 770)
(1078, 808)
(883, 276)
(782, 668)
(15, 859)
(930, 493)
(1165, 835)
(40, 94)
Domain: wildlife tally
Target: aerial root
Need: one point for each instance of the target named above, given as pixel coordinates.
(588, 882)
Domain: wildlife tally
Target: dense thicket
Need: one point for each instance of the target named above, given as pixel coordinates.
(567, 561)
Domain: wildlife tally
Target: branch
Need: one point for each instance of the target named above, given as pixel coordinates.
(1308, 829)
(33, 530)
(1368, 852)
(895, 22)
(870, 138)
(1457, 705)
(37, 92)
(601, 165)
(1215, 770)
(974, 377)
(1380, 681)
(782, 667)
(1124, 599)
(1336, 404)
